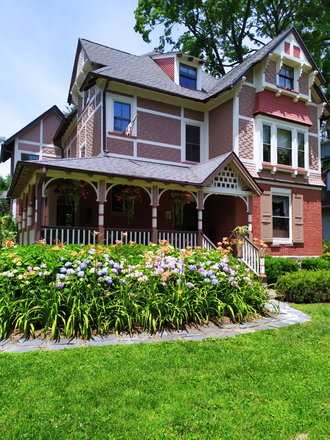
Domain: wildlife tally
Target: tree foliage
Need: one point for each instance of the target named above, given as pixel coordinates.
(224, 32)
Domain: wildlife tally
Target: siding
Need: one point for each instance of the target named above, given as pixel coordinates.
(221, 129)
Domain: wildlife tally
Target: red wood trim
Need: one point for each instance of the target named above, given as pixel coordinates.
(288, 89)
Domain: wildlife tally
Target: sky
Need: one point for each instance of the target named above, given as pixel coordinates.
(38, 44)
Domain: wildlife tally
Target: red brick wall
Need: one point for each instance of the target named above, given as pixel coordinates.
(167, 65)
(270, 74)
(158, 106)
(313, 153)
(93, 134)
(303, 84)
(312, 225)
(247, 100)
(158, 153)
(28, 147)
(312, 113)
(193, 114)
(120, 146)
(221, 129)
(50, 125)
(245, 139)
(32, 135)
(158, 128)
(50, 150)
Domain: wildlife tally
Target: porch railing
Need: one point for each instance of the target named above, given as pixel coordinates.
(68, 235)
(179, 239)
(207, 243)
(139, 236)
(250, 256)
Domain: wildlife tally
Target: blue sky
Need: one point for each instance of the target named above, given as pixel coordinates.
(37, 47)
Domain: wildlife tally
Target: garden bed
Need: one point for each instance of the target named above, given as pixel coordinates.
(83, 290)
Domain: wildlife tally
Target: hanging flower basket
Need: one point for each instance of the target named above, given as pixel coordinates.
(72, 191)
(179, 200)
(128, 196)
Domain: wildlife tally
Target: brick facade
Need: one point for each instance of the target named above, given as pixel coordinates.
(157, 106)
(120, 146)
(50, 125)
(158, 128)
(303, 84)
(313, 153)
(167, 65)
(247, 99)
(193, 114)
(270, 73)
(221, 129)
(312, 245)
(158, 153)
(32, 135)
(245, 139)
(312, 113)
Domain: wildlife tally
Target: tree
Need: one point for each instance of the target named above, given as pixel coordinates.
(224, 32)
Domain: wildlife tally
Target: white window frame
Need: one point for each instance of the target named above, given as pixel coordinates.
(183, 60)
(30, 153)
(201, 140)
(283, 125)
(287, 193)
(86, 96)
(111, 98)
(83, 146)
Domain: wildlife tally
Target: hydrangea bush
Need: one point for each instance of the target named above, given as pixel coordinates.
(76, 289)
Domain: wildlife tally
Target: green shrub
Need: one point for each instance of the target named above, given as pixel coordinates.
(72, 289)
(315, 263)
(276, 267)
(305, 286)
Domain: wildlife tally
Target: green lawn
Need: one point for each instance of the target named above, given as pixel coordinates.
(268, 385)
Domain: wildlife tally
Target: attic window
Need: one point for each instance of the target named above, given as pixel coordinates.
(188, 76)
(286, 77)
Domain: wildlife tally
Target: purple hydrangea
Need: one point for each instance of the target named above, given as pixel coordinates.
(60, 285)
(192, 268)
(63, 270)
(62, 259)
(207, 280)
(68, 264)
(81, 274)
(43, 266)
(189, 285)
(108, 280)
(214, 282)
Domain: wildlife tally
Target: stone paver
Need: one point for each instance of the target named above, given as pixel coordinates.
(287, 316)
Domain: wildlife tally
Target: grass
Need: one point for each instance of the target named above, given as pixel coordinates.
(269, 385)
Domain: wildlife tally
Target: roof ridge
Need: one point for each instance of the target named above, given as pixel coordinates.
(108, 47)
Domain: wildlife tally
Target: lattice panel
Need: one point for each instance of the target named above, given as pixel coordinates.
(229, 179)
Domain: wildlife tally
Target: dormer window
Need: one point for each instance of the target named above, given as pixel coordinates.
(188, 76)
(286, 77)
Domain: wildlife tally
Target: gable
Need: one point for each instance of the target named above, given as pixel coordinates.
(230, 181)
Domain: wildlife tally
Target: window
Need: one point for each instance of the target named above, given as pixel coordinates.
(301, 150)
(86, 97)
(284, 147)
(188, 76)
(266, 143)
(26, 156)
(83, 151)
(192, 143)
(122, 116)
(286, 77)
(281, 216)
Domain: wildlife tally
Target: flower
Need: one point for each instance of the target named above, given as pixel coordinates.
(59, 285)
(108, 280)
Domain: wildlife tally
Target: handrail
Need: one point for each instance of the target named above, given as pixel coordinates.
(179, 239)
(207, 243)
(250, 256)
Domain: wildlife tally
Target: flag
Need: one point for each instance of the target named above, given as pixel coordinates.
(129, 129)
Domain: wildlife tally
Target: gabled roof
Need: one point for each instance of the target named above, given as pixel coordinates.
(8, 144)
(143, 71)
(196, 175)
(64, 125)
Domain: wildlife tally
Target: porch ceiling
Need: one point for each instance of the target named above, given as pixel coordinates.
(199, 175)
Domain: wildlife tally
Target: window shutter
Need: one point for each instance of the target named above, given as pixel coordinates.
(298, 218)
(266, 216)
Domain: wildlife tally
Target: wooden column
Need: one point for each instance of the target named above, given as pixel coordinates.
(102, 191)
(200, 203)
(154, 237)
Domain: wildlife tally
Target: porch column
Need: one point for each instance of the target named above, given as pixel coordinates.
(154, 237)
(200, 200)
(37, 224)
(102, 190)
(24, 212)
(20, 209)
(250, 204)
(30, 207)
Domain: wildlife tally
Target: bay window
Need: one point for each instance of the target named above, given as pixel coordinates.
(284, 147)
(301, 150)
(266, 143)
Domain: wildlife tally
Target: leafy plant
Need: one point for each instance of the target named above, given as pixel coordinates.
(305, 286)
(277, 266)
(315, 263)
(128, 196)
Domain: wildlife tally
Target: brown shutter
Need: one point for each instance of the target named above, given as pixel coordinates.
(298, 218)
(266, 209)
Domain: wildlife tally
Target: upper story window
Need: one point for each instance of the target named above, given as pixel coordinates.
(83, 151)
(284, 147)
(266, 143)
(193, 143)
(122, 116)
(286, 77)
(86, 97)
(188, 76)
(301, 150)
(26, 156)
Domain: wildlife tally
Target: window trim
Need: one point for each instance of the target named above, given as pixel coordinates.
(29, 154)
(260, 121)
(284, 77)
(283, 193)
(111, 98)
(184, 135)
(187, 77)
(83, 146)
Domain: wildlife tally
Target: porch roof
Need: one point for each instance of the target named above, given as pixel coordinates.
(199, 175)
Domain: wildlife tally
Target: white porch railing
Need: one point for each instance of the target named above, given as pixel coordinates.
(207, 243)
(250, 256)
(139, 236)
(68, 235)
(179, 239)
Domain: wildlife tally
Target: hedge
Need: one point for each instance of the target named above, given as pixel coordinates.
(276, 267)
(305, 286)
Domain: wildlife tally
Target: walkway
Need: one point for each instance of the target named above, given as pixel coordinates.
(287, 316)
